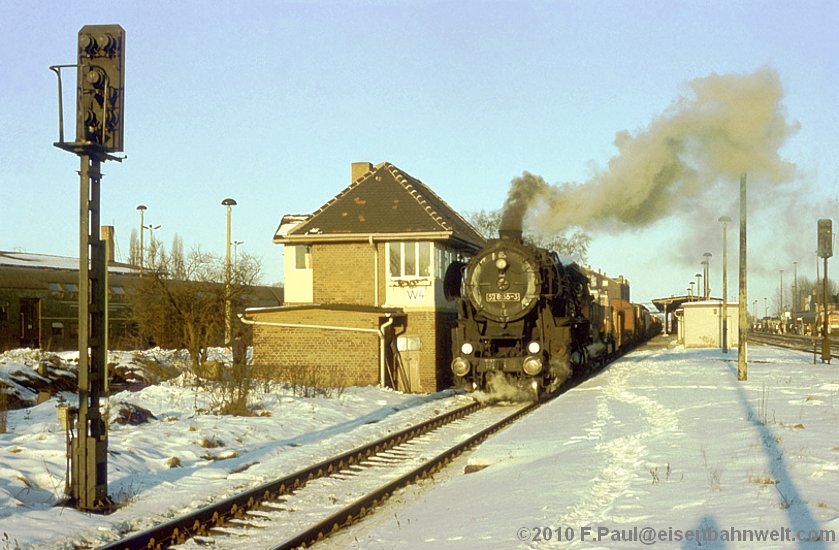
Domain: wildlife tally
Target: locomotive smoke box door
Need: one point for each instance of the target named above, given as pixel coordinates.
(409, 350)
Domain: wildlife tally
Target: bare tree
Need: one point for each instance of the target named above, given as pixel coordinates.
(134, 248)
(188, 312)
(177, 260)
(569, 243)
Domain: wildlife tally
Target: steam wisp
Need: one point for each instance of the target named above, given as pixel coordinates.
(725, 126)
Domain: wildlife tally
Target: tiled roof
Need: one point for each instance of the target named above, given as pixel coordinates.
(384, 200)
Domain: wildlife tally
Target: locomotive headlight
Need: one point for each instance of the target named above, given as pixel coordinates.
(532, 366)
(467, 348)
(501, 264)
(460, 366)
(534, 347)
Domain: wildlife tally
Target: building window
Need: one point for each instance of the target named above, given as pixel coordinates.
(302, 257)
(444, 257)
(411, 259)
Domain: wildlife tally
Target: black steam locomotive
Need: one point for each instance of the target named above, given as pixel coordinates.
(522, 316)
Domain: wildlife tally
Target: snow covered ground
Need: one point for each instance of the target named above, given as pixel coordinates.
(666, 442)
(666, 439)
(185, 456)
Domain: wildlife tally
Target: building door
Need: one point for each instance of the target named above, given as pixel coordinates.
(409, 352)
(30, 322)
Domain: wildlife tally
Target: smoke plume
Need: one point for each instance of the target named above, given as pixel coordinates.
(727, 125)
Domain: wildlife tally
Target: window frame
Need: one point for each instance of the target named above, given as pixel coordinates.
(306, 257)
(423, 260)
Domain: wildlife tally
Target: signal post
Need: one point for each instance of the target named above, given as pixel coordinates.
(825, 250)
(100, 94)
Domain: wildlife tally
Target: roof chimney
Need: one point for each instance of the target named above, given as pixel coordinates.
(106, 233)
(359, 169)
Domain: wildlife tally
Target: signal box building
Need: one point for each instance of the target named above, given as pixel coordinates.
(364, 287)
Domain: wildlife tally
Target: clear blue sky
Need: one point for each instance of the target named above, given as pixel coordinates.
(270, 102)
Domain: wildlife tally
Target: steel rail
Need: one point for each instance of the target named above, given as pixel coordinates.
(808, 344)
(362, 506)
(200, 521)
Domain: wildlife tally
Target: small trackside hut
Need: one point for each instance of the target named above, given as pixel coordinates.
(364, 287)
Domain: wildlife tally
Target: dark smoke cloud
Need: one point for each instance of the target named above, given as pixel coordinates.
(725, 126)
(523, 192)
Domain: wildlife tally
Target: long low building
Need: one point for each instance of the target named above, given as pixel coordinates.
(39, 302)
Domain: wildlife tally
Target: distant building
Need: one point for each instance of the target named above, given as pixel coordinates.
(39, 300)
(701, 324)
(364, 287)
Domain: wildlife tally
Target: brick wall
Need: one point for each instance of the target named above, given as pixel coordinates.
(434, 331)
(343, 273)
(318, 357)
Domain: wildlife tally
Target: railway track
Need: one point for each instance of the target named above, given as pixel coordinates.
(317, 501)
(807, 344)
(320, 499)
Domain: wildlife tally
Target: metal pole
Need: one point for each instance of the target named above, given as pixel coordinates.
(781, 298)
(742, 348)
(229, 203)
(89, 467)
(707, 293)
(79, 454)
(724, 337)
(142, 210)
(825, 324)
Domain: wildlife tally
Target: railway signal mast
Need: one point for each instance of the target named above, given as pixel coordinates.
(100, 96)
(825, 243)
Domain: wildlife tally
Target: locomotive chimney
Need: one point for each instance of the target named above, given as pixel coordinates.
(511, 234)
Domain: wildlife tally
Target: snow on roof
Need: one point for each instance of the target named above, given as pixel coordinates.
(47, 261)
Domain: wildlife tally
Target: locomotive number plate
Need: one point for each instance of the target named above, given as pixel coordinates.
(503, 296)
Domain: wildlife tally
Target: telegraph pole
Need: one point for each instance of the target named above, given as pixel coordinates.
(100, 86)
(724, 338)
(743, 322)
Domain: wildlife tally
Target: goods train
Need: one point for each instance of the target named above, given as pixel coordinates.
(525, 317)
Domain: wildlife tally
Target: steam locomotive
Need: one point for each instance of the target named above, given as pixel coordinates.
(525, 318)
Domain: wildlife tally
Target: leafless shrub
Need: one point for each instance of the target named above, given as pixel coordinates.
(308, 381)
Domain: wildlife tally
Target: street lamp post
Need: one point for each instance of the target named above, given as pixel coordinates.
(794, 289)
(229, 203)
(142, 208)
(724, 220)
(781, 297)
(707, 264)
(235, 250)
